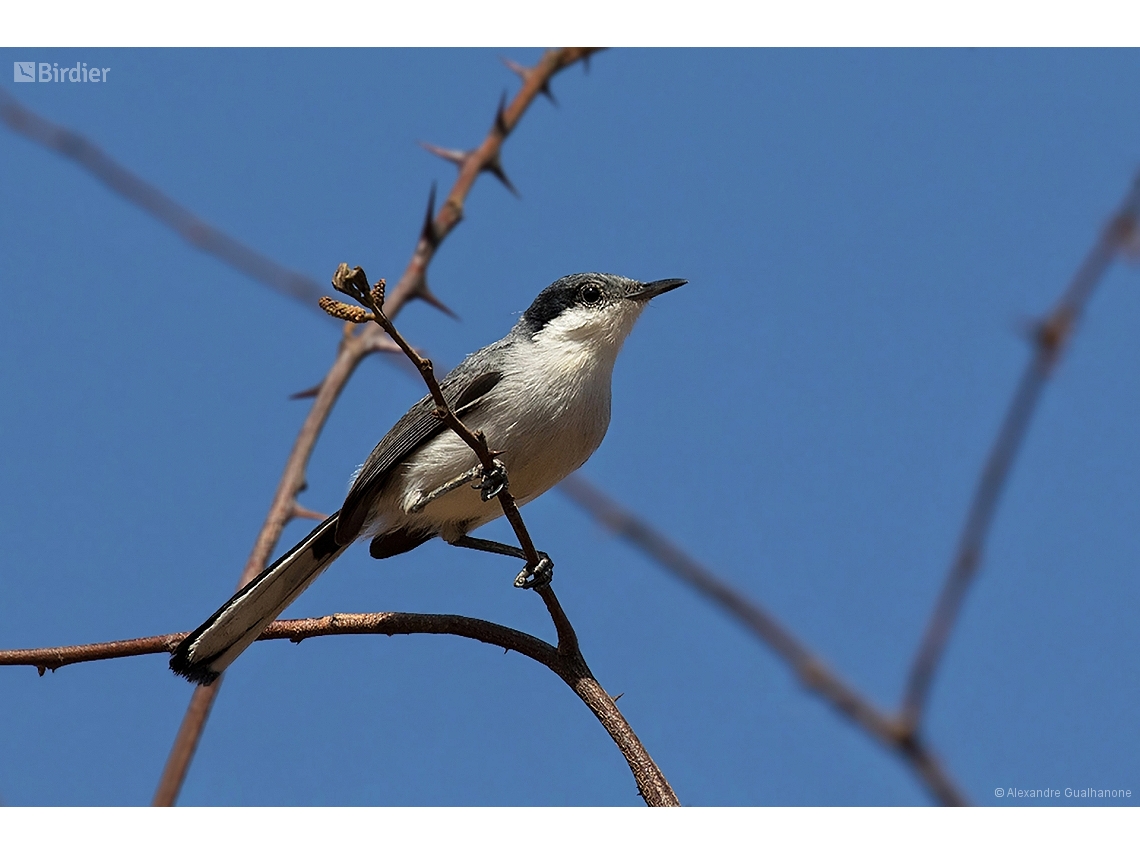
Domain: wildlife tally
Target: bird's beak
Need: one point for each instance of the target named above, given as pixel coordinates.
(646, 291)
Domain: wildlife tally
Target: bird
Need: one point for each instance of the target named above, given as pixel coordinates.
(541, 397)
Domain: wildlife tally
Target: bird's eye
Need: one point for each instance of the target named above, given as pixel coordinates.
(591, 294)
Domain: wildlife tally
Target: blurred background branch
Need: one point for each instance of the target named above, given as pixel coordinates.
(119, 179)
(1049, 339)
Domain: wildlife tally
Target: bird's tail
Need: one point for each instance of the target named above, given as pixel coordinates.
(206, 652)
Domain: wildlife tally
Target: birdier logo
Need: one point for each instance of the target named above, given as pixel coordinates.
(50, 72)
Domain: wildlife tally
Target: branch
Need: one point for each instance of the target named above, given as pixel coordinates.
(1052, 335)
(121, 180)
(652, 785)
(45, 659)
(812, 671)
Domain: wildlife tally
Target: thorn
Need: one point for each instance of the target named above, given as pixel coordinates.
(386, 345)
(428, 233)
(525, 73)
(521, 70)
(500, 118)
(1128, 236)
(307, 393)
(425, 293)
(1053, 332)
(301, 511)
(545, 89)
(41, 669)
(451, 155)
(617, 697)
(495, 167)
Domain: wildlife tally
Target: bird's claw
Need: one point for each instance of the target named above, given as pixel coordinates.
(537, 576)
(494, 481)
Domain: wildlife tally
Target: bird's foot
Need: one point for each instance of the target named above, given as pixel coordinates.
(537, 576)
(444, 489)
(494, 481)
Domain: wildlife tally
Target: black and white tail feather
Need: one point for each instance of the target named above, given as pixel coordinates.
(205, 653)
(540, 395)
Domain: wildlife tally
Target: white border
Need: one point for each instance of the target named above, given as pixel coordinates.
(552, 831)
(502, 23)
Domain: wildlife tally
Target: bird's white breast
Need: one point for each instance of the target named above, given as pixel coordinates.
(546, 416)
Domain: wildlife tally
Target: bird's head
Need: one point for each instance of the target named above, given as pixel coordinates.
(590, 308)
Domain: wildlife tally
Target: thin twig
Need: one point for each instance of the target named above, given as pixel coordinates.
(355, 283)
(570, 668)
(1052, 335)
(811, 670)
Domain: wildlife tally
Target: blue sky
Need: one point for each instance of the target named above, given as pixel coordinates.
(866, 234)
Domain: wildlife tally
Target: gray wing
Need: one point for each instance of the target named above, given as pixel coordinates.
(463, 390)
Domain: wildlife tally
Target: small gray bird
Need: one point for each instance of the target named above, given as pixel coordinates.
(541, 396)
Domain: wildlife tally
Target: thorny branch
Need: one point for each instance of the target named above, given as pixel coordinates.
(484, 158)
(46, 659)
